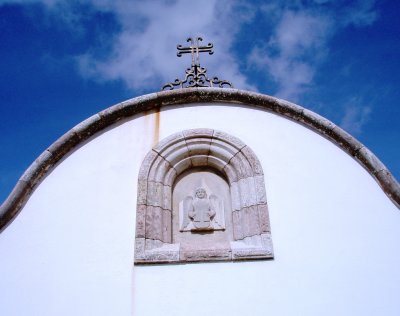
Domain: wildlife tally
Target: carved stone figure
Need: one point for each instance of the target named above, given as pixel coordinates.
(201, 197)
(201, 213)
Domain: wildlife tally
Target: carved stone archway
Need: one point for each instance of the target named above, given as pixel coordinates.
(201, 148)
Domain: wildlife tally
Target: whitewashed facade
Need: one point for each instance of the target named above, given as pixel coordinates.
(69, 247)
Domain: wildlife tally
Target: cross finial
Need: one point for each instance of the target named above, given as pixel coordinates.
(195, 49)
(196, 76)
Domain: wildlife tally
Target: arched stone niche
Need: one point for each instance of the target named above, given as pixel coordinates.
(238, 227)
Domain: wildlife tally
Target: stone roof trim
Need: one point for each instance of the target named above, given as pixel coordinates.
(96, 123)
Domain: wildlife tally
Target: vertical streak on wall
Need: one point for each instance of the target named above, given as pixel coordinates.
(151, 129)
(156, 134)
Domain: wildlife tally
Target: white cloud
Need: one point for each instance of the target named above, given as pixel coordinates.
(361, 13)
(300, 40)
(355, 117)
(145, 55)
(290, 55)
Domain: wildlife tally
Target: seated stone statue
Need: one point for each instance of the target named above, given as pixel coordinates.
(201, 213)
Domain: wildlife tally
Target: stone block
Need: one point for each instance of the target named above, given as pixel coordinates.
(161, 257)
(228, 139)
(252, 248)
(198, 133)
(235, 196)
(250, 221)
(155, 194)
(264, 218)
(198, 149)
(178, 96)
(244, 193)
(159, 170)
(323, 125)
(247, 190)
(142, 192)
(165, 253)
(389, 185)
(139, 248)
(140, 221)
(88, 127)
(242, 167)
(146, 164)
(151, 244)
(230, 173)
(38, 168)
(260, 190)
(167, 142)
(170, 177)
(182, 165)
(250, 253)
(63, 145)
(253, 161)
(154, 223)
(248, 241)
(222, 150)
(266, 242)
(14, 202)
(254, 220)
(196, 255)
(288, 109)
(216, 163)
(369, 160)
(345, 140)
(198, 146)
(167, 198)
(199, 161)
(167, 226)
(255, 247)
(255, 240)
(175, 153)
(237, 225)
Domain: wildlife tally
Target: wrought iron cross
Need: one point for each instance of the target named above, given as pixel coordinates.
(196, 76)
(195, 49)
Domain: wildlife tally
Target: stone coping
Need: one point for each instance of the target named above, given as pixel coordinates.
(98, 122)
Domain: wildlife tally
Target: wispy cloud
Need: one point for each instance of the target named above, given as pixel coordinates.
(144, 55)
(142, 52)
(356, 116)
(300, 40)
(360, 13)
(290, 55)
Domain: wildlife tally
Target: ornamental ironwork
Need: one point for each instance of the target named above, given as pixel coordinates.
(196, 76)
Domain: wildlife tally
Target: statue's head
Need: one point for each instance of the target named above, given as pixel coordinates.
(201, 193)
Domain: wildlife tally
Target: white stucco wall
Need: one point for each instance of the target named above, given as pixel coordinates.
(335, 233)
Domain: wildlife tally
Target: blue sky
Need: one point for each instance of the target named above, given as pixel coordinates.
(62, 61)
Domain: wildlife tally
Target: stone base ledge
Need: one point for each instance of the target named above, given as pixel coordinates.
(250, 248)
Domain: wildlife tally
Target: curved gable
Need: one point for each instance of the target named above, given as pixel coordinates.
(98, 122)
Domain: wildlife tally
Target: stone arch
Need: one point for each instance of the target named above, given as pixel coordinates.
(193, 149)
(66, 144)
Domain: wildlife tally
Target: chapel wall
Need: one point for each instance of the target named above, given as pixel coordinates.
(334, 231)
